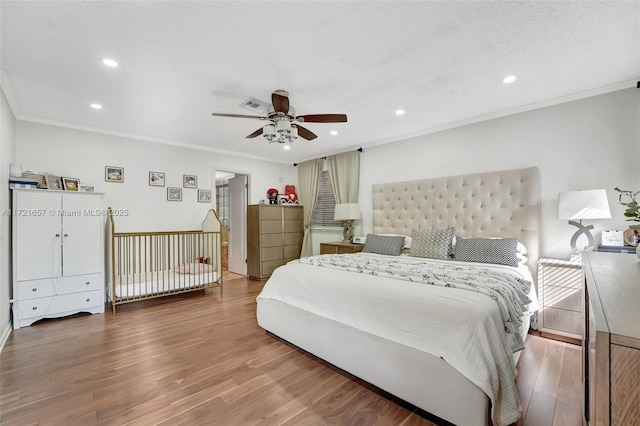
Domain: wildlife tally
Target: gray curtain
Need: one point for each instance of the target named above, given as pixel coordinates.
(344, 172)
(308, 174)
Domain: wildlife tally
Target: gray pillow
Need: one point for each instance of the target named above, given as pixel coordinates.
(432, 243)
(487, 250)
(390, 245)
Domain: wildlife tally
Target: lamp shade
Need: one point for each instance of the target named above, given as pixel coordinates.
(348, 211)
(588, 204)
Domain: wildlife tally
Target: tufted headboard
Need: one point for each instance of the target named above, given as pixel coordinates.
(494, 204)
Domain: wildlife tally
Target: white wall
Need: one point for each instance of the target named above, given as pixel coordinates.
(84, 155)
(7, 154)
(586, 144)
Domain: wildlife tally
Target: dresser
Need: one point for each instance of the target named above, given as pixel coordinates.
(560, 285)
(274, 237)
(340, 248)
(611, 343)
(58, 254)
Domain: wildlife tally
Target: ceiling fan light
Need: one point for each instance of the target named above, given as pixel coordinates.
(294, 133)
(283, 127)
(269, 132)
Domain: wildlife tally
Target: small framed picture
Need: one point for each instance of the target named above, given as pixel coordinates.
(70, 184)
(190, 181)
(174, 194)
(53, 182)
(156, 179)
(114, 174)
(87, 188)
(204, 196)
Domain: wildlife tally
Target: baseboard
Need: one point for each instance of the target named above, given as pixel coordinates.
(5, 335)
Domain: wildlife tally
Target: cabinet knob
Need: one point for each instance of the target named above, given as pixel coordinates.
(66, 235)
(35, 308)
(57, 235)
(88, 300)
(87, 283)
(34, 289)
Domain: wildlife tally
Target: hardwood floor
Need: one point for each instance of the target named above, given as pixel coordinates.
(200, 359)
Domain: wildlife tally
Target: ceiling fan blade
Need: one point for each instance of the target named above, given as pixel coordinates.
(306, 134)
(280, 102)
(323, 118)
(239, 116)
(254, 134)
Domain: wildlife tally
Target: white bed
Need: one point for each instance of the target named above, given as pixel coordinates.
(353, 320)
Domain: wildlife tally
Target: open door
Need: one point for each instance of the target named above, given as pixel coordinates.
(238, 224)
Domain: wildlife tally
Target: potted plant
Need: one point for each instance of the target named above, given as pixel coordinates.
(628, 199)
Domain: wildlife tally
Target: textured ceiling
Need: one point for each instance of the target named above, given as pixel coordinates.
(442, 62)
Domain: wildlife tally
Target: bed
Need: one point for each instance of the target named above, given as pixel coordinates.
(145, 265)
(350, 311)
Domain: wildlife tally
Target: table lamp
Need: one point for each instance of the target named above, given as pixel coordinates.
(347, 213)
(579, 205)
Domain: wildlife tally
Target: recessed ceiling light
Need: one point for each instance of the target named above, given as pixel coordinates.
(400, 112)
(333, 132)
(110, 62)
(509, 79)
(286, 146)
(96, 106)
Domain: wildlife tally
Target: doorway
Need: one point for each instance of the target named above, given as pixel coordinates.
(231, 201)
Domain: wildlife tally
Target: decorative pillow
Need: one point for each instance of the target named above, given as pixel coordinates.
(194, 268)
(500, 251)
(520, 248)
(432, 243)
(390, 245)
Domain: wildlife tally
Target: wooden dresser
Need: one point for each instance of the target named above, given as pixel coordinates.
(274, 237)
(611, 346)
(340, 248)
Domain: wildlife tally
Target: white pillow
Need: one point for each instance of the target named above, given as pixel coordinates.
(407, 240)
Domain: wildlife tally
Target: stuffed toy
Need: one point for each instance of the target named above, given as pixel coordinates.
(290, 192)
(272, 195)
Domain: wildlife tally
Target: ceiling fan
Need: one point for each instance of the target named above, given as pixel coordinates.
(284, 125)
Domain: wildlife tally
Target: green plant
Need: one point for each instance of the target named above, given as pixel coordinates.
(633, 209)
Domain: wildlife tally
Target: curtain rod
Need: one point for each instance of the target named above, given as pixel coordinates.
(324, 158)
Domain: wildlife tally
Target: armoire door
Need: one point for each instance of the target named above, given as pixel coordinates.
(82, 222)
(36, 234)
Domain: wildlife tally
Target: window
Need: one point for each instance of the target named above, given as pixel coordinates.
(325, 203)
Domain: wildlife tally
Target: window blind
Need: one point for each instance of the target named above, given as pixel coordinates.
(325, 203)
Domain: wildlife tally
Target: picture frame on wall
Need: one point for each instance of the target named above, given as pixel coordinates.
(174, 194)
(156, 179)
(70, 184)
(87, 188)
(190, 181)
(204, 196)
(114, 174)
(53, 182)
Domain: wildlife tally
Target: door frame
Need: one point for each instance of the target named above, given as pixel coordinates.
(245, 173)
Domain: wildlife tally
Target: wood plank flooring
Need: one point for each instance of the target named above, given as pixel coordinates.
(202, 359)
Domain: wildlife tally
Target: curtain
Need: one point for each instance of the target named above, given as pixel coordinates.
(344, 172)
(308, 173)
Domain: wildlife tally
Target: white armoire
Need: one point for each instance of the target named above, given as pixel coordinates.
(58, 254)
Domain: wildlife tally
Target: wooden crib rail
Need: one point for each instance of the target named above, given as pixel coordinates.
(146, 265)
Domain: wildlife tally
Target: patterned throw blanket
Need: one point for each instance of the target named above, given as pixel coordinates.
(509, 291)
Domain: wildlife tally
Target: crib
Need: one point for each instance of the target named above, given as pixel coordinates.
(146, 265)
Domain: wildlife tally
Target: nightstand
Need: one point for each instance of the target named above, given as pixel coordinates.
(560, 285)
(617, 249)
(340, 248)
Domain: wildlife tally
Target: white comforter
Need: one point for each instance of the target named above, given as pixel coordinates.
(465, 328)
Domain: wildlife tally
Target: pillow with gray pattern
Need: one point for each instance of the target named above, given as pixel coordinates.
(389, 245)
(487, 250)
(432, 243)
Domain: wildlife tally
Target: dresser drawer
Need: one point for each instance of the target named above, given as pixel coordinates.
(53, 305)
(62, 285)
(269, 267)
